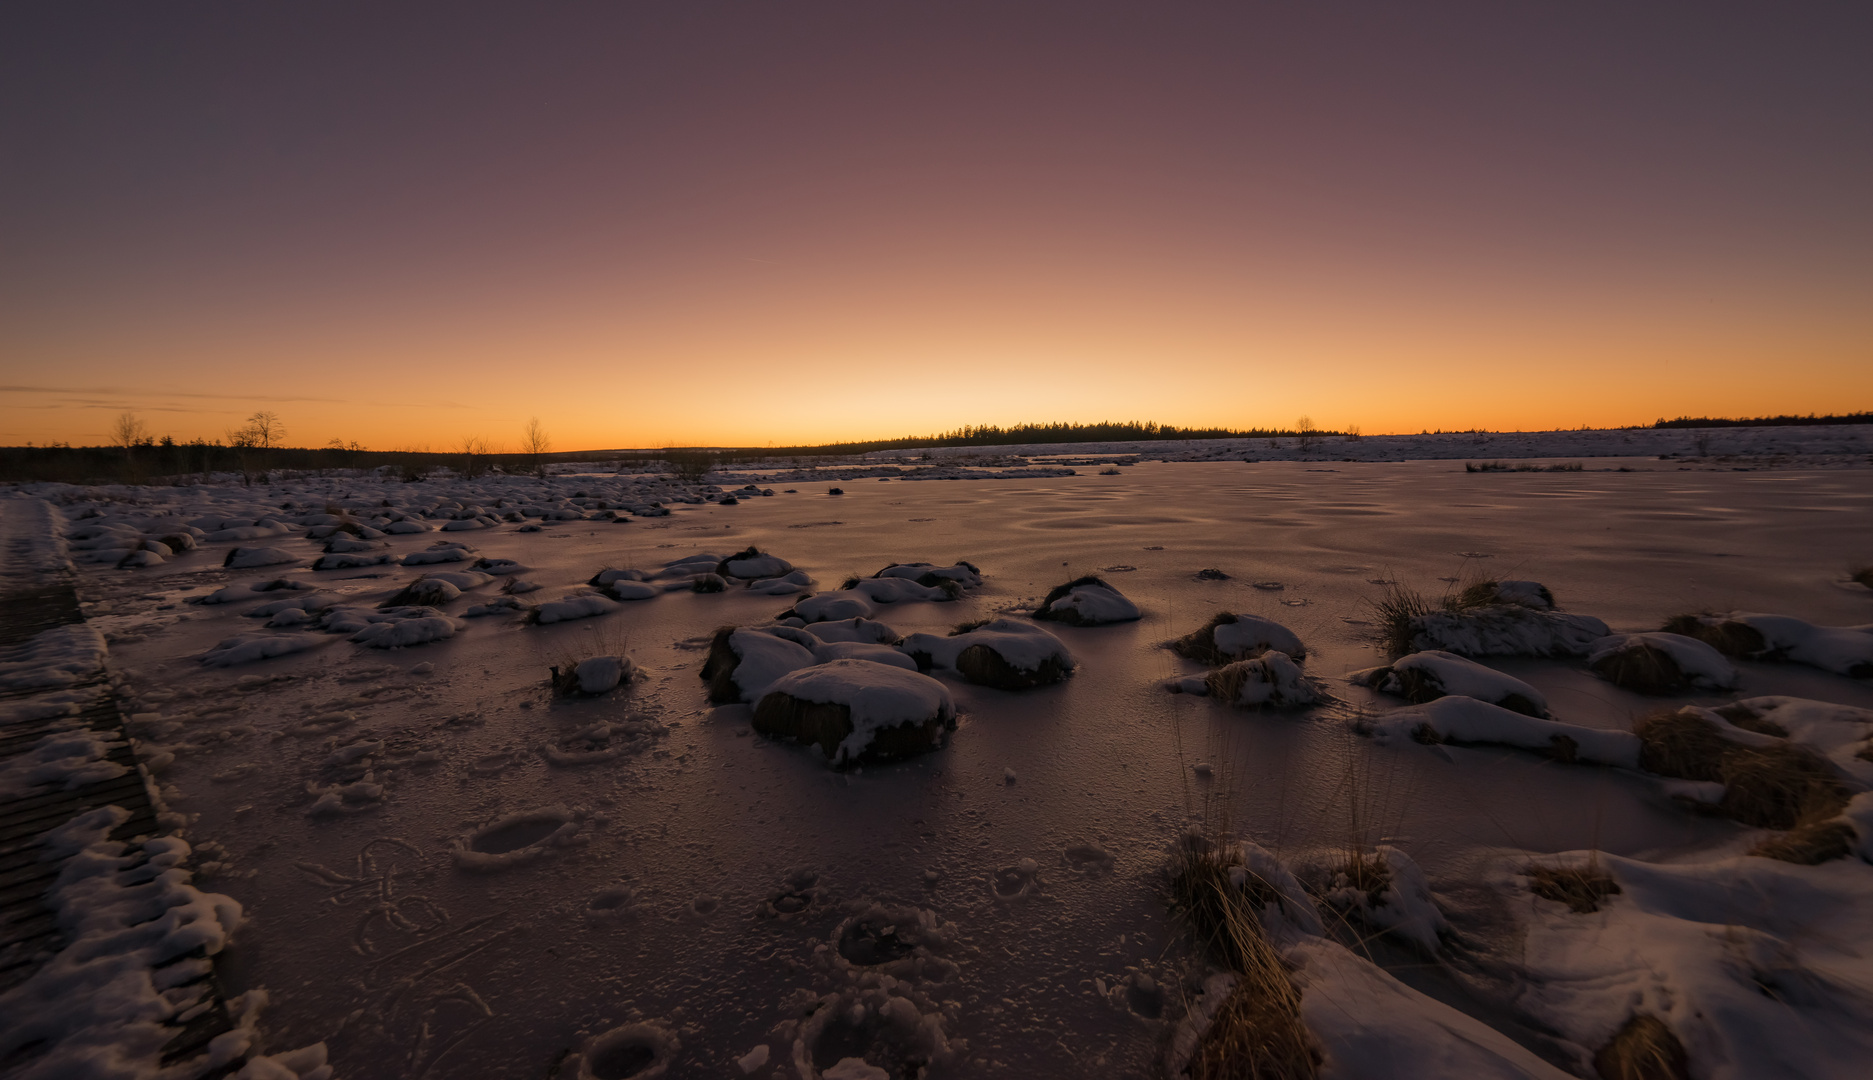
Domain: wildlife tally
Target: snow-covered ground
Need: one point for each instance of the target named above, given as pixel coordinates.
(449, 870)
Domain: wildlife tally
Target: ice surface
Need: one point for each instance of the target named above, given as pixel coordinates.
(1055, 962)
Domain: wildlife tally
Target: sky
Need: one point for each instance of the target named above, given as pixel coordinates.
(775, 222)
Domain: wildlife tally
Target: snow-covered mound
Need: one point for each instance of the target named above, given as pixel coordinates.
(892, 590)
(1004, 653)
(1365, 1023)
(1841, 733)
(1740, 765)
(443, 551)
(1087, 601)
(352, 561)
(832, 607)
(1387, 892)
(858, 710)
(1467, 721)
(1749, 967)
(1844, 650)
(577, 605)
(1271, 679)
(594, 675)
(405, 631)
(963, 574)
(1528, 594)
(426, 591)
(744, 662)
(245, 558)
(1228, 636)
(751, 563)
(788, 584)
(1505, 630)
(864, 630)
(624, 589)
(1660, 663)
(1426, 676)
(247, 648)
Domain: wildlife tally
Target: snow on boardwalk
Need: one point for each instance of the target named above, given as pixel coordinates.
(64, 754)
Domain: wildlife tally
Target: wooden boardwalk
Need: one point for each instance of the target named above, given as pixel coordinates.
(32, 603)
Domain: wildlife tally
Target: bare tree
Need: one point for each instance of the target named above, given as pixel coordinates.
(534, 441)
(1304, 427)
(267, 430)
(1352, 433)
(129, 432)
(472, 448)
(244, 442)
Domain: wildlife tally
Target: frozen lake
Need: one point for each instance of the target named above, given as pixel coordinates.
(714, 888)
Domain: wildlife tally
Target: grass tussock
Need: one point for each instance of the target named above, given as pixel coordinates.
(1257, 1032)
(1780, 786)
(1643, 669)
(1392, 617)
(1059, 592)
(1644, 1049)
(972, 624)
(1581, 888)
(1366, 872)
(1727, 636)
(851, 582)
(419, 593)
(1810, 843)
(1200, 644)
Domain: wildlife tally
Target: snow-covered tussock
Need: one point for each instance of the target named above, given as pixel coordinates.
(1425, 676)
(1660, 663)
(1271, 679)
(1087, 601)
(1844, 650)
(1230, 636)
(856, 710)
(1467, 721)
(1003, 653)
(1505, 630)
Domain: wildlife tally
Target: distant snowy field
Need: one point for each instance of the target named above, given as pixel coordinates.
(450, 870)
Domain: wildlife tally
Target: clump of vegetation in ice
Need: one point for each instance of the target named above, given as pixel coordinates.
(1086, 601)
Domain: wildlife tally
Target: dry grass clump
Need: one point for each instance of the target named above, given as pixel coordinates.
(986, 667)
(1200, 644)
(1368, 873)
(828, 724)
(972, 624)
(1581, 888)
(1392, 617)
(1810, 843)
(749, 552)
(1643, 669)
(419, 593)
(1066, 615)
(1485, 594)
(1727, 636)
(1644, 1049)
(708, 583)
(1782, 786)
(718, 670)
(1257, 1033)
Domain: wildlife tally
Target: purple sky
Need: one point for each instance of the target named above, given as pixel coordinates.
(779, 221)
